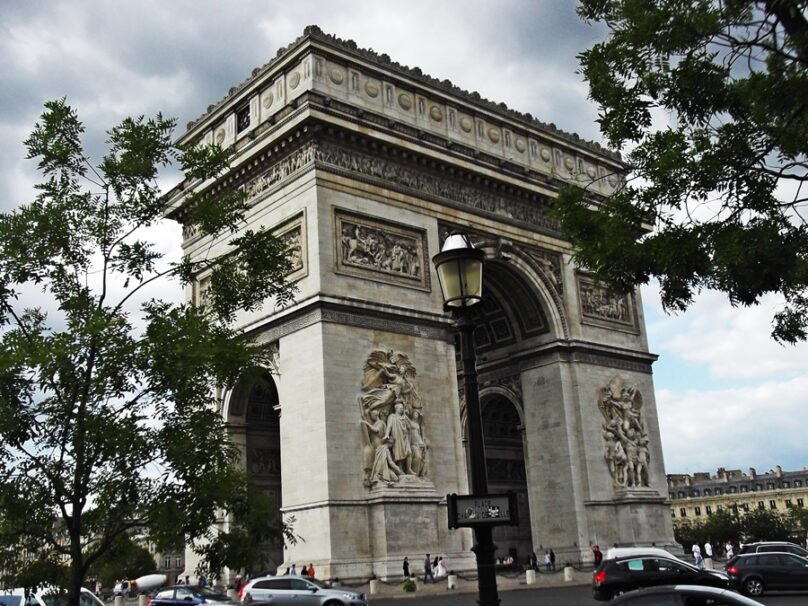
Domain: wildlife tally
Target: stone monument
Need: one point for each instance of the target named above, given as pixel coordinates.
(364, 166)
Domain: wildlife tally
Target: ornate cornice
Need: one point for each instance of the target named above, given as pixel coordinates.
(314, 34)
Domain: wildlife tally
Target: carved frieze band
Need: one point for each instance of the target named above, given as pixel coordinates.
(393, 172)
(511, 383)
(602, 307)
(380, 250)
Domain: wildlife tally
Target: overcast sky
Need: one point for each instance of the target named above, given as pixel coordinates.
(727, 395)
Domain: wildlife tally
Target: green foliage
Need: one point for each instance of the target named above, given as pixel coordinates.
(756, 525)
(257, 525)
(714, 195)
(109, 419)
(409, 586)
(124, 560)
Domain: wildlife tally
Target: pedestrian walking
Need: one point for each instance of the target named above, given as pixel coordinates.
(552, 559)
(304, 572)
(428, 569)
(708, 555)
(547, 561)
(598, 554)
(697, 556)
(293, 570)
(311, 570)
(405, 566)
(730, 548)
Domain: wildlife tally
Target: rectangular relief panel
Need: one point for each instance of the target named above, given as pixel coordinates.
(382, 251)
(293, 232)
(602, 307)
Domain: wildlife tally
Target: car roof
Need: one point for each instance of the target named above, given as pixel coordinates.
(762, 553)
(619, 552)
(695, 590)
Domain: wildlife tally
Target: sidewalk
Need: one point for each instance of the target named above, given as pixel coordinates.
(504, 583)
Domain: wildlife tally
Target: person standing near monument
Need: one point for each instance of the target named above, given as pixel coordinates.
(406, 567)
(598, 555)
(547, 561)
(697, 556)
(428, 569)
(730, 549)
(552, 560)
(708, 555)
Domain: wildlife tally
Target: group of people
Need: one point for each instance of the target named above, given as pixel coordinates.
(305, 572)
(434, 569)
(710, 552)
(549, 561)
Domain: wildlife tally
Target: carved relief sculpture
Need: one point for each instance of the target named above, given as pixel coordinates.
(624, 434)
(394, 449)
(601, 304)
(381, 251)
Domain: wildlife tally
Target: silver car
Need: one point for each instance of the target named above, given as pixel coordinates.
(299, 591)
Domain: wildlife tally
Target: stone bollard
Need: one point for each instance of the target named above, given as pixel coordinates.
(374, 586)
(232, 594)
(451, 581)
(531, 576)
(118, 600)
(708, 563)
(142, 599)
(567, 573)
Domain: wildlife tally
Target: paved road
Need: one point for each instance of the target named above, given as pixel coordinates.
(553, 596)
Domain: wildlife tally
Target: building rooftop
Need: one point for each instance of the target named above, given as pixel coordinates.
(314, 33)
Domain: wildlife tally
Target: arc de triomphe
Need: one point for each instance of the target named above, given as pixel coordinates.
(364, 166)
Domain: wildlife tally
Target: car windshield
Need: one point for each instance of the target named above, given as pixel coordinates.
(11, 600)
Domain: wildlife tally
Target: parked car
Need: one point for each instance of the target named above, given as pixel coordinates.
(624, 552)
(755, 573)
(616, 576)
(778, 546)
(47, 596)
(302, 591)
(187, 595)
(683, 595)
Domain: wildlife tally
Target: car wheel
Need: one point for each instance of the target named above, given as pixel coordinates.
(753, 587)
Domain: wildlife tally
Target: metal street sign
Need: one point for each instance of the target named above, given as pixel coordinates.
(468, 511)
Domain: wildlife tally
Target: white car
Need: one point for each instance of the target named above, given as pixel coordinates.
(47, 596)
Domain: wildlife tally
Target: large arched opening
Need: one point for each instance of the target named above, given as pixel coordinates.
(511, 321)
(254, 420)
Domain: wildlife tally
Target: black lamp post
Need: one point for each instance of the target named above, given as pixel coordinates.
(460, 273)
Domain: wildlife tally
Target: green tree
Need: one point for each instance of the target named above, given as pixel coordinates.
(108, 414)
(690, 533)
(714, 197)
(724, 525)
(765, 525)
(124, 560)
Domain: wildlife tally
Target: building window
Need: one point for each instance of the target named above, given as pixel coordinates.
(761, 505)
(772, 504)
(682, 512)
(698, 511)
(746, 507)
(695, 492)
(708, 510)
(681, 494)
(178, 562)
(800, 503)
(719, 491)
(788, 503)
(732, 490)
(797, 483)
(758, 486)
(167, 562)
(243, 118)
(786, 484)
(744, 488)
(719, 508)
(769, 485)
(673, 513)
(707, 492)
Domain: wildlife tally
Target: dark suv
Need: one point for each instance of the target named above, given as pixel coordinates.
(619, 575)
(754, 573)
(774, 546)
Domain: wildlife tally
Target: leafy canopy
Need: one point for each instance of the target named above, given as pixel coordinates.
(714, 196)
(108, 415)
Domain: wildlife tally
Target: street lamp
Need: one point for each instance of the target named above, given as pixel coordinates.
(460, 272)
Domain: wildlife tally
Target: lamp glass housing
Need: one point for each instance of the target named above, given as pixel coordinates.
(460, 272)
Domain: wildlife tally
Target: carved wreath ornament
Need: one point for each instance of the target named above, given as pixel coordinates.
(626, 449)
(394, 449)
